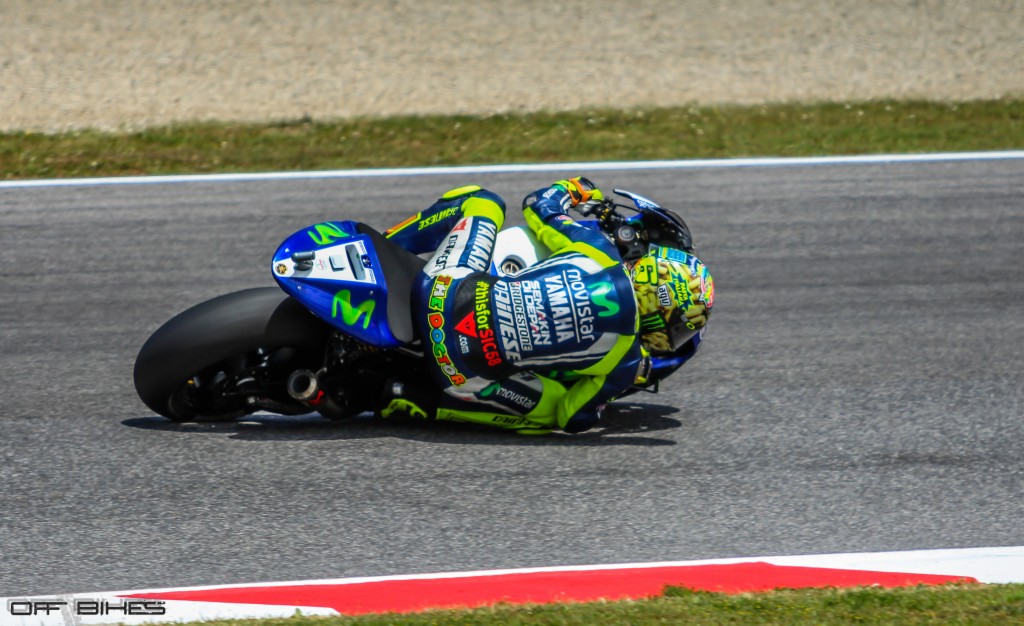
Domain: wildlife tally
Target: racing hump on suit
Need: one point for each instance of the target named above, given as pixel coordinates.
(401, 269)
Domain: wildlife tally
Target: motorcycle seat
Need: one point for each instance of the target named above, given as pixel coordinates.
(401, 269)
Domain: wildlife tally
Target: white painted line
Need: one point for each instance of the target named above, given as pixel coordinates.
(987, 565)
(521, 168)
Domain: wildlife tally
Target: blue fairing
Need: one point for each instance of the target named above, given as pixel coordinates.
(342, 284)
(638, 200)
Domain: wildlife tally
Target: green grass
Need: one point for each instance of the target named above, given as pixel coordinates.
(952, 604)
(595, 135)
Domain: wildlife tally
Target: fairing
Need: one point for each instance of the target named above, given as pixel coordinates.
(343, 284)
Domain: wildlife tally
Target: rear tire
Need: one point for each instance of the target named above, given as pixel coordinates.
(193, 368)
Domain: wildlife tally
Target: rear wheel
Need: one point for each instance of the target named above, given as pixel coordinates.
(229, 356)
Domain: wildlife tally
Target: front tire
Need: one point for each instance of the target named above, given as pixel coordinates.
(204, 364)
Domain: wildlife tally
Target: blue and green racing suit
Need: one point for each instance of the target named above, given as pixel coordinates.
(542, 349)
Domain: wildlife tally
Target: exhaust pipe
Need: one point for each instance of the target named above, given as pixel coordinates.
(304, 386)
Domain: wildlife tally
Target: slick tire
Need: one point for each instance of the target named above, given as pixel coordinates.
(225, 335)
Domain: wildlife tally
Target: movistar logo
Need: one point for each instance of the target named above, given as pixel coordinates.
(326, 233)
(599, 295)
(490, 389)
(350, 314)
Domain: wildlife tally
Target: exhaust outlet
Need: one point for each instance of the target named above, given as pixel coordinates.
(303, 386)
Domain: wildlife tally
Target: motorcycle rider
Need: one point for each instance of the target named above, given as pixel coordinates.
(549, 346)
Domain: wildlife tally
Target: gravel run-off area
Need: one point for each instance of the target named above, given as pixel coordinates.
(122, 64)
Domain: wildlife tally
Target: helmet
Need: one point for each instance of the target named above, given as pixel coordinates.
(674, 295)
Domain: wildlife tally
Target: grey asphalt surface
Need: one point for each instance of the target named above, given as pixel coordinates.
(860, 390)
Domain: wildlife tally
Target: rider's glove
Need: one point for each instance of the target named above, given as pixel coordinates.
(583, 194)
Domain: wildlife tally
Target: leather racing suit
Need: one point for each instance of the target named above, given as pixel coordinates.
(542, 349)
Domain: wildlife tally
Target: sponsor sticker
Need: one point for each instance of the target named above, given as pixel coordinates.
(510, 420)
(481, 324)
(520, 400)
(326, 233)
(468, 325)
(481, 243)
(469, 245)
(643, 202)
(437, 217)
(599, 292)
(664, 295)
(536, 317)
(350, 313)
(505, 319)
(439, 292)
(440, 352)
(572, 314)
(441, 260)
(519, 316)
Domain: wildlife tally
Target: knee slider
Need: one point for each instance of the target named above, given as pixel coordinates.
(458, 192)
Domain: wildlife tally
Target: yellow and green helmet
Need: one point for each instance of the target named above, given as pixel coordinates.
(674, 295)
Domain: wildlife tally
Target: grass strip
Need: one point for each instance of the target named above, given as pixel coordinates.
(950, 604)
(588, 135)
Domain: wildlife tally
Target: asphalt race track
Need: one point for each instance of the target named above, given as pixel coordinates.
(860, 390)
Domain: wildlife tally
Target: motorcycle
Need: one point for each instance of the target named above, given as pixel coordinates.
(340, 324)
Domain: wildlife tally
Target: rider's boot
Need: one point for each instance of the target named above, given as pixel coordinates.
(401, 399)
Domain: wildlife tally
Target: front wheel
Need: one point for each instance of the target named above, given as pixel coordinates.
(229, 356)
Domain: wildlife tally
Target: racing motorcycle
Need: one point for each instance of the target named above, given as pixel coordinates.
(341, 323)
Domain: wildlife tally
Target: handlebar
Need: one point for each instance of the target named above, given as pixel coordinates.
(635, 234)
